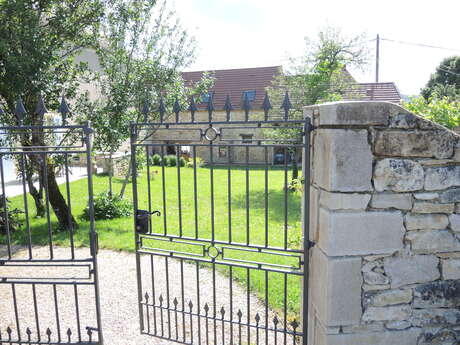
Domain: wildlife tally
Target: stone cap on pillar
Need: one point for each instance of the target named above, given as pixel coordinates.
(366, 113)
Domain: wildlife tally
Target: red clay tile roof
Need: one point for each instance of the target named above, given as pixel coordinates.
(374, 92)
(234, 82)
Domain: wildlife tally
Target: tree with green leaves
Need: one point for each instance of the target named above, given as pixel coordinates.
(445, 81)
(38, 44)
(318, 76)
(140, 47)
(443, 110)
(143, 48)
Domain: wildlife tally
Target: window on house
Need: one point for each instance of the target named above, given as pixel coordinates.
(247, 138)
(205, 96)
(251, 94)
(171, 150)
(222, 151)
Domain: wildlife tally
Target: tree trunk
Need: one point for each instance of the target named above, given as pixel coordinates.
(125, 181)
(36, 195)
(295, 166)
(110, 174)
(57, 201)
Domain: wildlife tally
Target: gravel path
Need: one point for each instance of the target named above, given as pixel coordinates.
(118, 290)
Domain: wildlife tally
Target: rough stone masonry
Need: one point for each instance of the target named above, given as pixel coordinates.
(385, 217)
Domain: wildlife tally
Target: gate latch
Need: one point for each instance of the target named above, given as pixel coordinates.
(142, 220)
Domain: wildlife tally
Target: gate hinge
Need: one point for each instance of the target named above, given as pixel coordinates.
(95, 243)
(309, 128)
(310, 244)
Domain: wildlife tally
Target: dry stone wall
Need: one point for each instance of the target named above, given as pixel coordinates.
(385, 217)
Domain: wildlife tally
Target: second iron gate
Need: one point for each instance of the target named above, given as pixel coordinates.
(48, 287)
(222, 250)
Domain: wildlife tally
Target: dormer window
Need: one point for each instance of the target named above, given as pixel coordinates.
(246, 138)
(206, 96)
(250, 94)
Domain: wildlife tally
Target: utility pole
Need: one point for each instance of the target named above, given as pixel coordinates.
(377, 58)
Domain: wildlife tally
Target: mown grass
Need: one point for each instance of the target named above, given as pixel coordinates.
(118, 233)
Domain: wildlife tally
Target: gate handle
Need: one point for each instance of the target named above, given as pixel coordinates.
(140, 213)
(142, 220)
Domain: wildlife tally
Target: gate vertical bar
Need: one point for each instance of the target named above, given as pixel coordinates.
(133, 131)
(306, 226)
(5, 208)
(92, 230)
(26, 207)
(93, 234)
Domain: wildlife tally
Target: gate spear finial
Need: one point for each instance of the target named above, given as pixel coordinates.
(146, 110)
(177, 109)
(228, 107)
(40, 109)
(192, 108)
(266, 105)
(20, 111)
(64, 110)
(162, 109)
(287, 105)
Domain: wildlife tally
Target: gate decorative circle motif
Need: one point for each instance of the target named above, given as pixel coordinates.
(213, 252)
(211, 133)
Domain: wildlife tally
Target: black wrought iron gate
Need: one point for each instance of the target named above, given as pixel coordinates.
(48, 286)
(221, 227)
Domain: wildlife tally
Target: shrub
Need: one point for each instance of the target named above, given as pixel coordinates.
(108, 206)
(172, 160)
(165, 161)
(141, 159)
(13, 217)
(182, 161)
(445, 110)
(156, 159)
(199, 162)
(296, 185)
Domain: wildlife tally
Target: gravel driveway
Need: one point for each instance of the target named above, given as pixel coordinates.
(118, 291)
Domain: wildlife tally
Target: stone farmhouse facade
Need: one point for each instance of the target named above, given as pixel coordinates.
(253, 82)
(233, 83)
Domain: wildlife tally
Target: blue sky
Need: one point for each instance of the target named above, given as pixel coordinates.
(250, 33)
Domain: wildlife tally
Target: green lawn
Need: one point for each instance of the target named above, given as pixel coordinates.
(118, 234)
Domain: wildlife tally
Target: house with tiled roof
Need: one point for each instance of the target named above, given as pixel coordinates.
(374, 92)
(252, 83)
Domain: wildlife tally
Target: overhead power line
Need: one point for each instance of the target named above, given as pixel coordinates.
(423, 45)
(420, 44)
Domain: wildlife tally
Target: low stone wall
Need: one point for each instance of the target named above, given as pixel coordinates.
(385, 217)
(120, 163)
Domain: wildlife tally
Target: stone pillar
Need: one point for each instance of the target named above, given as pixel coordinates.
(385, 203)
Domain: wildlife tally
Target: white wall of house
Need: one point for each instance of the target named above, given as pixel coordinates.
(9, 170)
